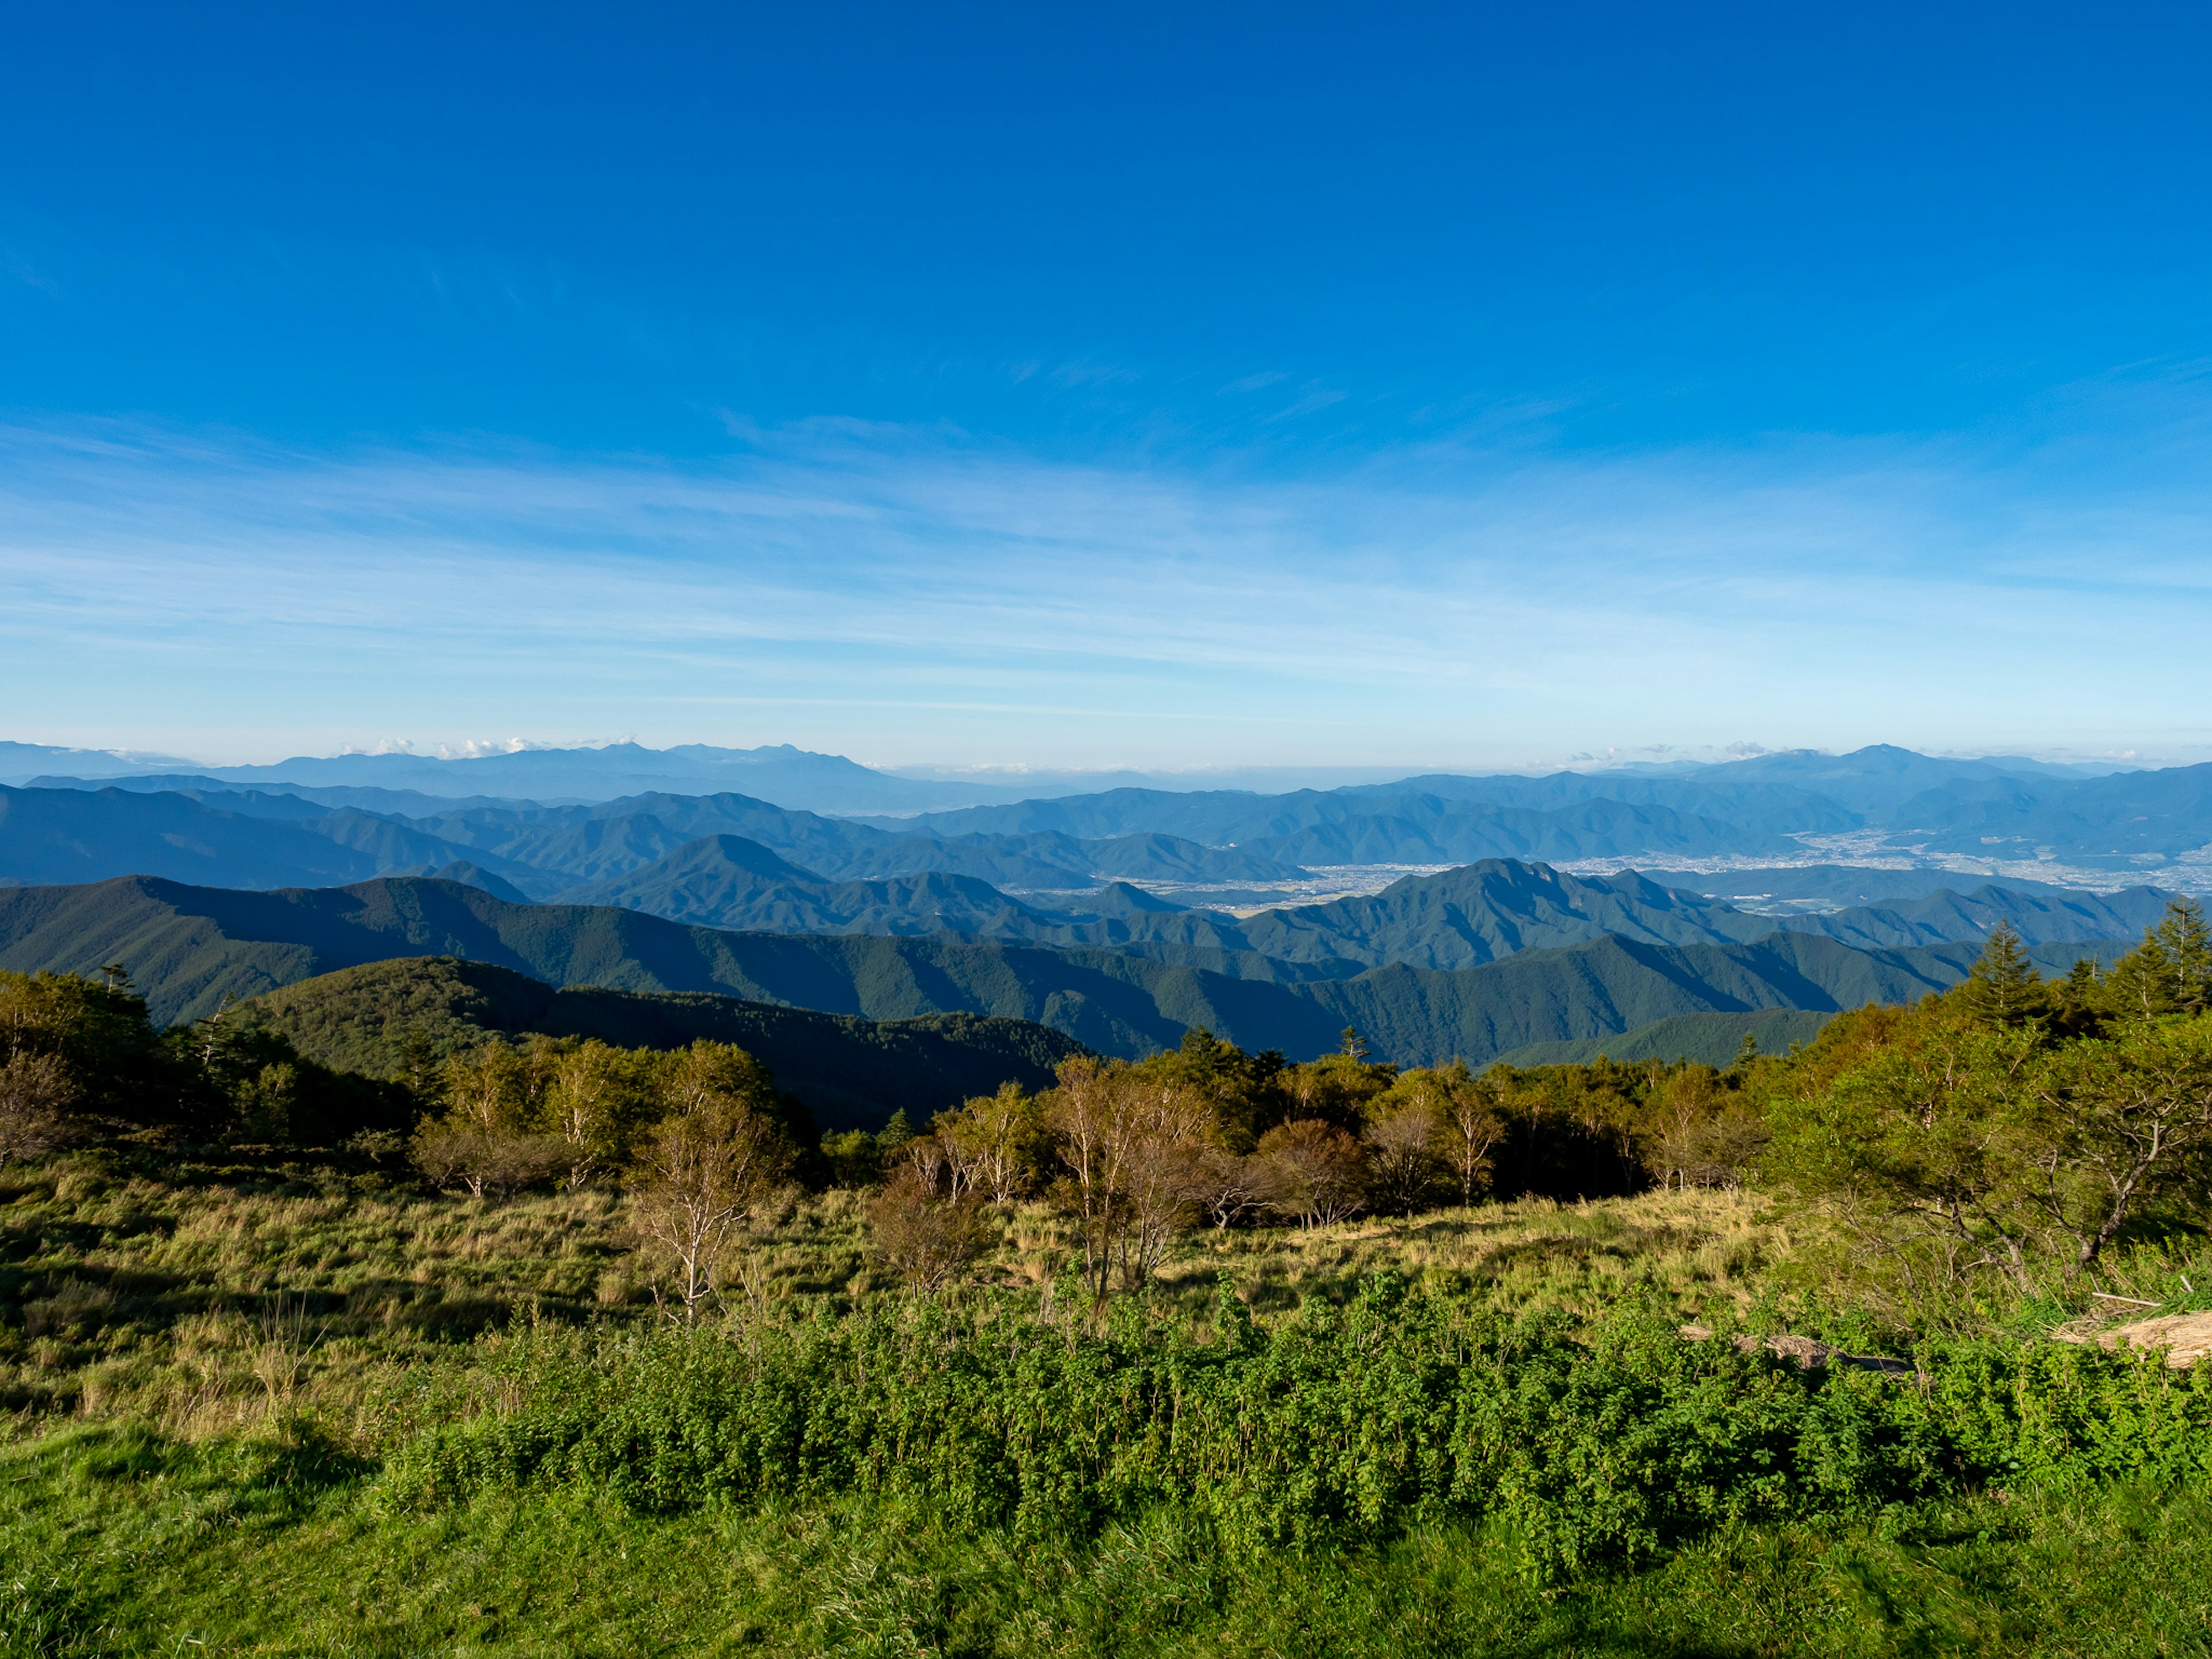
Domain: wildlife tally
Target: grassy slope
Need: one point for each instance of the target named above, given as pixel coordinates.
(121, 1542)
(194, 1508)
(851, 1073)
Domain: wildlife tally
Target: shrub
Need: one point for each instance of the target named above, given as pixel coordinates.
(1591, 1443)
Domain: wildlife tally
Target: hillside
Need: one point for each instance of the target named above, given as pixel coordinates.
(851, 1073)
(190, 948)
(1713, 1039)
(58, 835)
(726, 881)
(1458, 918)
(198, 828)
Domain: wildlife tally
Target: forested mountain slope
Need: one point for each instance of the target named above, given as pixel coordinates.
(189, 948)
(380, 1019)
(54, 835)
(77, 834)
(1459, 918)
(1393, 825)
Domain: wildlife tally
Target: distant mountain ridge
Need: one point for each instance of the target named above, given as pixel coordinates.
(539, 808)
(192, 948)
(1459, 918)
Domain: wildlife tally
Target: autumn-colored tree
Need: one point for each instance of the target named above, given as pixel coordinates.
(1130, 1143)
(708, 1168)
(1316, 1173)
(928, 1240)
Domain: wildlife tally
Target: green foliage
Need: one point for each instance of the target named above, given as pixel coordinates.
(2013, 1127)
(116, 1541)
(403, 1019)
(2003, 987)
(99, 1032)
(1591, 1445)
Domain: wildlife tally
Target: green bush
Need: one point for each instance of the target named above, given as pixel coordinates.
(1587, 1445)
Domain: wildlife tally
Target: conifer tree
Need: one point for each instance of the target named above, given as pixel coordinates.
(2186, 942)
(2171, 971)
(2003, 986)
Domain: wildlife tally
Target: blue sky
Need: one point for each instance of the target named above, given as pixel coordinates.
(1172, 387)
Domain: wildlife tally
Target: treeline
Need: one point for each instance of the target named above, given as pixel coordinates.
(2014, 1127)
(2015, 1130)
(81, 1061)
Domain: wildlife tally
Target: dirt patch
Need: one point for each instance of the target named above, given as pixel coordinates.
(2186, 1337)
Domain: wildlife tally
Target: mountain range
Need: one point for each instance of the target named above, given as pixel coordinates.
(1094, 915)
(1763, 808)
(190, 949)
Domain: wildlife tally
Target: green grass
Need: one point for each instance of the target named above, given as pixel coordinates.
(119, 1541)
(207, 1296)
(199, 1363)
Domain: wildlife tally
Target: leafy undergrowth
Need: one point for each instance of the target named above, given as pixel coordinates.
(207, 1297)
(120, 1541)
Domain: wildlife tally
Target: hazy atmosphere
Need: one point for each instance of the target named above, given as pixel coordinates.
(1167, 391)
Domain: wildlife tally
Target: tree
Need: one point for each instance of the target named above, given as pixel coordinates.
(708, 1170)
(1699, 1132)
(1226, 1185)
(2170, 972)
(1316, 1173)
(485, 1138)
(1914, 1148)
(1131, 1143)
(36, 1091)
(1403, 1168)
(2003, 985)
(117, 1066)
(2127, 1126)
(928, 1240)
(593, 1093)
(1465, 1123)
(991, 1143)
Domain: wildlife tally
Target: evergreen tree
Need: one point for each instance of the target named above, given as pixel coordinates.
(2170, 972)
(2003, 985)
(2186, 942)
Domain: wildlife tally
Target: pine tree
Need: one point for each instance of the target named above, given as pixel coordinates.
(2186, 943)
(2003, 985)
(2170, 972)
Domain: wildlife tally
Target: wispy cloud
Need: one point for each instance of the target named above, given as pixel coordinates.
(920, 597)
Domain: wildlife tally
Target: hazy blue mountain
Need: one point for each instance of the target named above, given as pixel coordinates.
(542, 850)
(474, 875)
(1460, 918)
(1877, 782)
(22, 760)
(600, 843)
(50, 835)
(1477, 914)
(726, 881)
(1371, 825)
(1796, 888)
(1768, 808)
(190, 947)
(2055, 916)
(405, 803)
(2118, 818)
(778, 771)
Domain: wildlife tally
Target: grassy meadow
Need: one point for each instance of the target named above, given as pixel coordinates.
(212, 1371)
